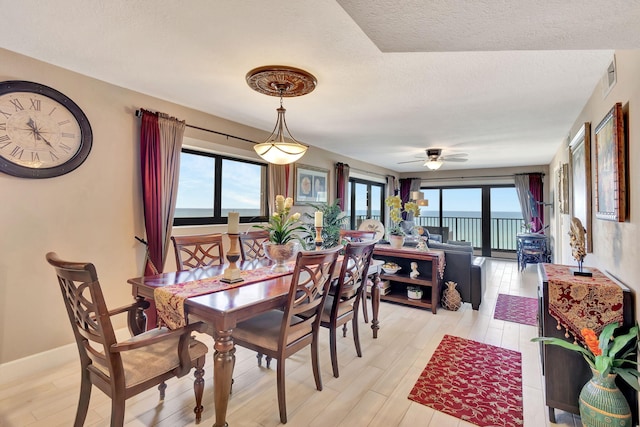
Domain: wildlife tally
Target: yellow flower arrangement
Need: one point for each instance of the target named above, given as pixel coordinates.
(395, 213)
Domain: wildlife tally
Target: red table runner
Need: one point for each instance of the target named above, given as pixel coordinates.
(170, 299)
(578, 302)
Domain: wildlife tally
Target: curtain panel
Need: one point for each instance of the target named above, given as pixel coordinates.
(342, 183)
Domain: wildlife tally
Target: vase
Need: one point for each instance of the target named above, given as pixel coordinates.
(602, 403)
(451, 299)
(280, 254)
(396, 241)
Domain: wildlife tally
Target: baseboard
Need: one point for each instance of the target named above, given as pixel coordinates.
(45, 361)
(37, 363)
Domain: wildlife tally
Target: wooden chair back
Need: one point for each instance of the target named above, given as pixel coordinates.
(251, 244)
(357, 235)
(198, 251)
(121, 369)
(353, 274)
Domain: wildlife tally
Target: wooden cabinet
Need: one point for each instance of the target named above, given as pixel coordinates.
(429, 280)
(565, 371)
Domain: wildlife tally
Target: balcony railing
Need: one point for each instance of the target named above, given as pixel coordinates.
(503, 230)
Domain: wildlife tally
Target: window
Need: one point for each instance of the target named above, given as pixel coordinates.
(367, 200)
(210, 186)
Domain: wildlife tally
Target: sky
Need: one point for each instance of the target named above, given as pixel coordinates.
(242, 191)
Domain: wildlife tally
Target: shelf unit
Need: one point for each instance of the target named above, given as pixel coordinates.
(428, 268)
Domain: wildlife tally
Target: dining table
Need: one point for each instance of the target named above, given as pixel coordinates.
(223, 309)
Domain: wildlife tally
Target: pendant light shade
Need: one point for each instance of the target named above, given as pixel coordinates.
(282, 81)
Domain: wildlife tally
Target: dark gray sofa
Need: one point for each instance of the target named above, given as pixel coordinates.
(462, 267)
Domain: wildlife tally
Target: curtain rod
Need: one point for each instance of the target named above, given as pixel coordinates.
(139, 114)
(368, 172)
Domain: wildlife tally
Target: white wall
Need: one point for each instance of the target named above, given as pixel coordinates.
(93, 213)
(616, 247)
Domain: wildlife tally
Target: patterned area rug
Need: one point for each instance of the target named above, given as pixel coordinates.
(513, 308)
(476, 382)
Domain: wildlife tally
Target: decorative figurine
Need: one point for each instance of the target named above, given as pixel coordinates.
(414, 270)
(577, 235)
(422, 244)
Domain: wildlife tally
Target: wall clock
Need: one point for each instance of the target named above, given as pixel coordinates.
(43, 133)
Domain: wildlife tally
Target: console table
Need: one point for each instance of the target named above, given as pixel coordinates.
(430, 266)
(565, 371)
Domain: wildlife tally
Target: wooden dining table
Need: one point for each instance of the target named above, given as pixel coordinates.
(222, 311)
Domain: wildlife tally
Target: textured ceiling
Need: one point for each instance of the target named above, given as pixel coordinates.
(491, 79)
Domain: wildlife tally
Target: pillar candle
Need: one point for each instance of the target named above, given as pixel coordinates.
(234, 220)
(318, 219)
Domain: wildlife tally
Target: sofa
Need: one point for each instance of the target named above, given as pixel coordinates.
(462, 267)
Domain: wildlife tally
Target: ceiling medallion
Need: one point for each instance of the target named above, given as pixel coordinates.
(281, 80)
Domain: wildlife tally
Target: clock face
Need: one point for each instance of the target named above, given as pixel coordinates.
(42, 132)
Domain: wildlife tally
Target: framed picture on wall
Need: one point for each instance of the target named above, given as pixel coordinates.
(311, 185)
(563, 188)
(611, 186)
(580, 164)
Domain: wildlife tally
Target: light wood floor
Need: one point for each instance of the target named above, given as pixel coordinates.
(371, 391)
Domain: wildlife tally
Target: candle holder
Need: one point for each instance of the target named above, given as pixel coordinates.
(318, 238)
(232, 272)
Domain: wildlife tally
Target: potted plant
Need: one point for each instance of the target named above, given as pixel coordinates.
(333, 219)
(396, 233)
(607, 358)
(284, 242)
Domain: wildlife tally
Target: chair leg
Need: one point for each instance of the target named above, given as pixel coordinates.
(117, 411)
(198, 388)
(259, 357)
(333, 350)
(344, 330)
(282, 398)
(315, 363)
(356, 335)
(268, 359)
(364, 305)
(162, 387)
(83, 402)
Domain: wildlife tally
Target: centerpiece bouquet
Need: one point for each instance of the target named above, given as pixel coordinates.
(283, 226)
(396, 211)
(284, 238)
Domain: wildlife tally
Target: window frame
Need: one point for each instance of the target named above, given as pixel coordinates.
(352, 185)
(217, 218)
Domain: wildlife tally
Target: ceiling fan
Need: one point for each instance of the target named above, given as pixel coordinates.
(435, 159)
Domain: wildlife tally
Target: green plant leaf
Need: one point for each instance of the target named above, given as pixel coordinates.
(565, 344)
(629, 378)
(605, 337)
(621, 341)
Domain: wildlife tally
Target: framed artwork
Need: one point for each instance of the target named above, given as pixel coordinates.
(310, 185)
(611, 186)
(580, 163)
(563, 188)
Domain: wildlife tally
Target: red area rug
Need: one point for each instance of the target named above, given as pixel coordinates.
(513, 308)
(476, 382)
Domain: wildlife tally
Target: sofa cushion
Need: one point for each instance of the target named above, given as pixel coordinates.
(449, 247)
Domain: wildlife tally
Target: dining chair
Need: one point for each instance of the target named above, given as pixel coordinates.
(357, 235)
(251, 244)
(198, 251)
(122, 369)
(281, 333)
(344, 298)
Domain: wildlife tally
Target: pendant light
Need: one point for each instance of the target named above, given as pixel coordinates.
(282, 81)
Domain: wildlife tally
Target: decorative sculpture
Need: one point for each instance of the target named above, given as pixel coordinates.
(578, 249)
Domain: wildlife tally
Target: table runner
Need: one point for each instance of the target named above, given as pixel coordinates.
(170, 299)
(578, 302)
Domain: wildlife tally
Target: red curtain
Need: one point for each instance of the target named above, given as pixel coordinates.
(151, 170)
(342, 181)
(535, 187)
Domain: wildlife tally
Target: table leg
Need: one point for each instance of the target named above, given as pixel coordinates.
(224, 360)
(375, 304)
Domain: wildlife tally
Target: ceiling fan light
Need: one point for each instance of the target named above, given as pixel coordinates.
(433, 164)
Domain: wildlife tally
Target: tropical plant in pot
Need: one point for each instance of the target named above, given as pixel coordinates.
(396, 233)
(608, 357)
(283, 228)
(333, 219)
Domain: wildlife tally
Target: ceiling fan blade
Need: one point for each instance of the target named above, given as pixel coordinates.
(412, 161)
(448, 156)
(453, 159)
